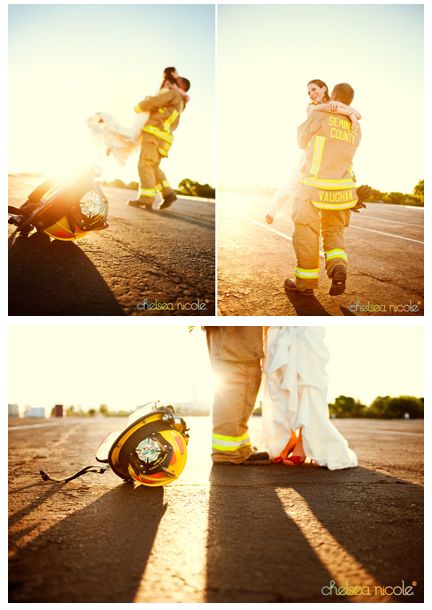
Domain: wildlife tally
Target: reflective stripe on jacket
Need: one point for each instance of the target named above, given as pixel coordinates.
(165, 109)
(327, 175)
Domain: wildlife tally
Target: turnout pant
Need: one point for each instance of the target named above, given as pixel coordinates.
(235, 354)
(308, 222)
(152, 178)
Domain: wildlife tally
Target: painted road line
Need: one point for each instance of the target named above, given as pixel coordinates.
(417, 241)
(401, 432)
(275, 231)
(399, 222)
(27, 426)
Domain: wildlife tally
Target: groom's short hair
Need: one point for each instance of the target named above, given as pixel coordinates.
(343, 92)
(183, 83)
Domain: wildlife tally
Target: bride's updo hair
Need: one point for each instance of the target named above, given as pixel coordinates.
(321, 84)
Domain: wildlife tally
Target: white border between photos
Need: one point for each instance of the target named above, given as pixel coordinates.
(426, 322)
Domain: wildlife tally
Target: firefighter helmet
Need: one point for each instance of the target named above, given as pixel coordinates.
(66, 211)
(151, 450)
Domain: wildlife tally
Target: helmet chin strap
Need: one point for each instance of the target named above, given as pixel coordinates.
(95, 469)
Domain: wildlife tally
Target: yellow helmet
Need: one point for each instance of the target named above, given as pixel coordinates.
(151, 450)
(66, 211)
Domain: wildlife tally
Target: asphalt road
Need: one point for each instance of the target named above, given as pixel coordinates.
(145, 263)
(385, 249)
(217, 534)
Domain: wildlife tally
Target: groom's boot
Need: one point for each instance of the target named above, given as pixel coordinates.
(257, 458)
(290, 287)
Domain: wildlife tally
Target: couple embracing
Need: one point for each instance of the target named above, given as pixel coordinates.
(295, 425)
(322, 191)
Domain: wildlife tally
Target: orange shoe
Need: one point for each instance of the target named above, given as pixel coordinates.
(289, 448)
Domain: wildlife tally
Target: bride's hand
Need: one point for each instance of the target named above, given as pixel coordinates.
(333, 106)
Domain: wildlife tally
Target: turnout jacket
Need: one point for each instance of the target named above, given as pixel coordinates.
(164, 109)
(330, 142)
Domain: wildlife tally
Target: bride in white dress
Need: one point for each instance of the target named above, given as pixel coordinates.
(296, 400)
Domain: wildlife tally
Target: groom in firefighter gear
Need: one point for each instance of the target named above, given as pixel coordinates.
(164, 111)
(325, 196)
(235, 355)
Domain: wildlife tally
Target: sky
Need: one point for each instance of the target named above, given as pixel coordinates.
(124, 367)
(68, 61)
(268, 53)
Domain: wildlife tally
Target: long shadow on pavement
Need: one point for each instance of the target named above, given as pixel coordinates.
(258, 553)
(183, 217)
(55, 278)
(190, 220)
(307, 306)
(98, 554)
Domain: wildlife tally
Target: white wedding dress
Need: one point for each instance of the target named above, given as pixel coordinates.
(120, 141)
(296, 396)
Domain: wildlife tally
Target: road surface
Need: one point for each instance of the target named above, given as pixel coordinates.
(222, 534)
(385, 249)
(145, 263)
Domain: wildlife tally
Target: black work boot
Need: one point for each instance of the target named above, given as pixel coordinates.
(257, 458)
(290, 287)
(168, 201)
(338, 281)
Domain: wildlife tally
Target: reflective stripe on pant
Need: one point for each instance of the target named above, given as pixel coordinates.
(308, 221)
(235, 354)
(333, 223)
(149, 171)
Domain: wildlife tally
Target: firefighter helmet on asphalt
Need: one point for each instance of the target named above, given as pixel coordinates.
(65, 211)
(151, 450)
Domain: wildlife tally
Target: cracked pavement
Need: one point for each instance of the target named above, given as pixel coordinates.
(145, 263)
(217, 534)
(385, 251)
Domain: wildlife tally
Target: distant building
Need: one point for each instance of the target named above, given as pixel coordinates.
(57, 411)
(13, 410)
(35, 412)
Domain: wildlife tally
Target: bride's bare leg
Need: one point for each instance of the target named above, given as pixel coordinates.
(289, 447)
(298, 455)
(298, 449)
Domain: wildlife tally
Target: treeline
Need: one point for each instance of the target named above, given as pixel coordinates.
(187, 187)
(92, 412)
(383, 407)
(195, 189)
(416, 198)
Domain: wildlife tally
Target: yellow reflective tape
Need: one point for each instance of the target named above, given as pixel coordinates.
(336, 253)
(334, 206)
(317, 155)
(147, 192)
(170, 120)
(306, 273)
(137, 108)
(165, 183)
(224, 437)
(161, 110)
(329, 185)
(158, 187)
(229, 447)
(155, 131)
